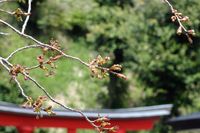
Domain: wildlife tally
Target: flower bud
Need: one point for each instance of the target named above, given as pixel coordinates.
(191, 32)
(173, 18)
(179, 30)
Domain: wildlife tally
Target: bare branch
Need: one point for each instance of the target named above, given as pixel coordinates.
(5, 34)
(21, 49)
(43, 44)
(172, 10)
(2, 61)
(8, 12)
(1, 1)
(14, 70)
(5, 63)
(55, 101)
(27, 17)
(178, 16)
(20, 87)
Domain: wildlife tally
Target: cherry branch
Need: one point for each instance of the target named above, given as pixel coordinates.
(21, 49)
(43, 44)
(27, 17)
(55, 101)
(8, 12)
(93, 65)
(3, 61)
(5, 34)
(103, 120)
(110, 70)
(1, 1)
(6, 65)
(20, 87)
(177, 16)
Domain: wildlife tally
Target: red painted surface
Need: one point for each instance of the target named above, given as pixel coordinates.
(25, 122)
(25, 129)
(71, 130)
(121, 131)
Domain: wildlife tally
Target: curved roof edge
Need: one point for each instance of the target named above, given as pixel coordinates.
(186, 122)
(126, 113)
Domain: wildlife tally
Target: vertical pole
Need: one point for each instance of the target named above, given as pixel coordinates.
(71, 130)
(25, 129)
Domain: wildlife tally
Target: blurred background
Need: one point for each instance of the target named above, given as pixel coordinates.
(161, 66)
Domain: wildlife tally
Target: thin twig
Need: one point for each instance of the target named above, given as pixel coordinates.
(3, 63)
(6, 64)
(5, 34)
(8, 12)
(174, 11)
(43, 44)
(1, 1)
(21, 49)
(55, 101)
(2, 60)
(36, 66)
(20, 87)
(27, 17)
(64, 55)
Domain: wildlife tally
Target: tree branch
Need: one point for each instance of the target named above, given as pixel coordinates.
(2, 60)
(5, 34)
(27, 17)
(8, 12)
(14, 70)
(1, 1)
(6, 65)
(43, 44)
(21, 49)
(20, 87)
(178, 16)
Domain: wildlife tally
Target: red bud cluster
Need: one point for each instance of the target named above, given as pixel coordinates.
(177, 16)
(50, 60)
(18, 13)
(16, 69)
(98, 70)
(37, 106)
(103, 125)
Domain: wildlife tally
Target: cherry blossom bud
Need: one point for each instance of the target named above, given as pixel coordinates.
(121, 76)
(184, 19)
(191, 32)
(179, 30)
(173, 18)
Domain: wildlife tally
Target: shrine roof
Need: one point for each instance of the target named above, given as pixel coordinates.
(186, 122)
(125, 113)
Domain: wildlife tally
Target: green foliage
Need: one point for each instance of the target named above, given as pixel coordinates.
(162, 62)
(166, 64)
(139, 35)
(139, 31)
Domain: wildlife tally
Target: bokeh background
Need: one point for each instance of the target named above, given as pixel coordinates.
(161, 66)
